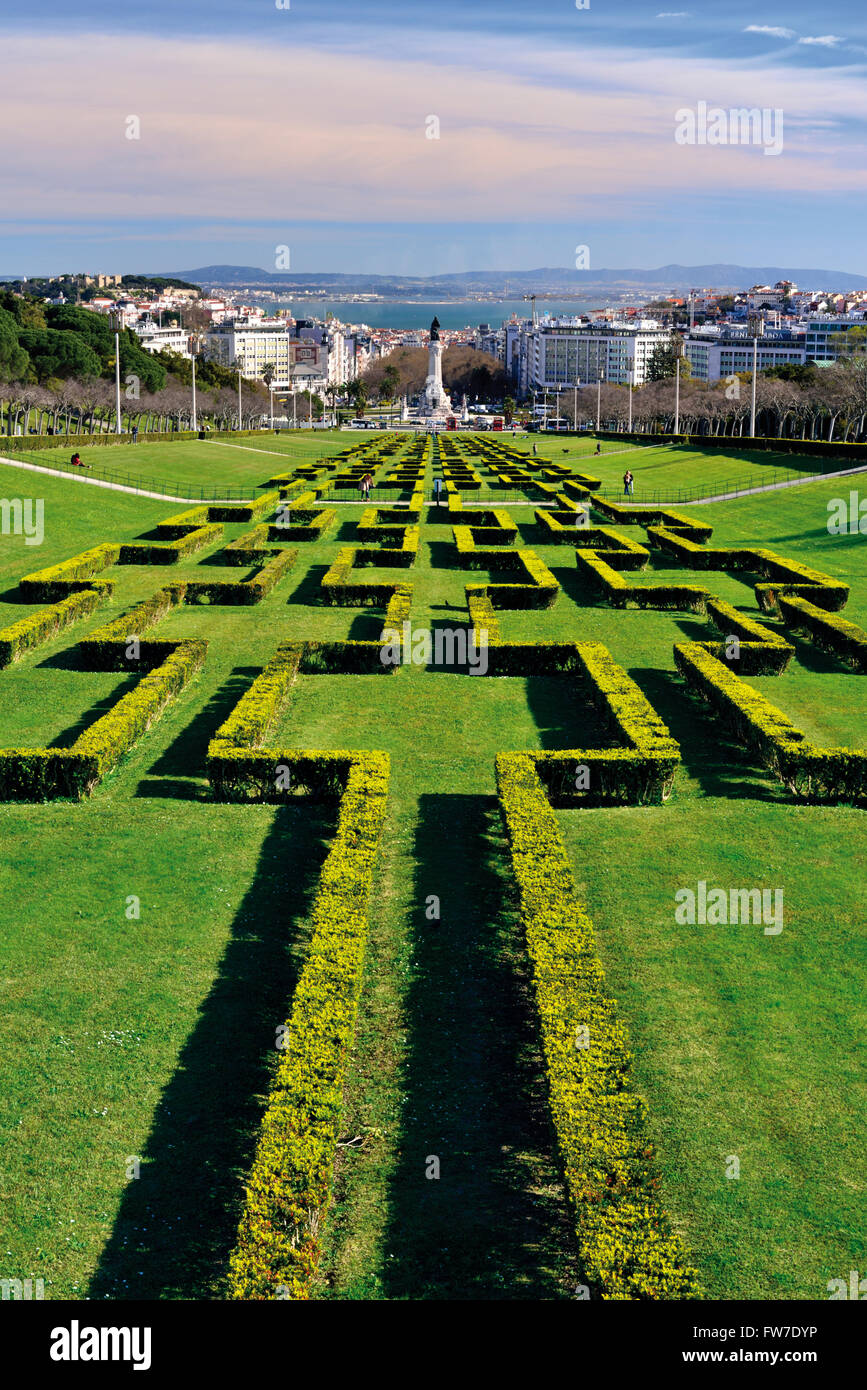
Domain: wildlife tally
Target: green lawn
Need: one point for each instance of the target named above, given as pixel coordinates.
(152, 1037)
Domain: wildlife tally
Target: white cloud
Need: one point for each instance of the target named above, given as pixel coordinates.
(774, 30)
(825, 40)
(522, 138)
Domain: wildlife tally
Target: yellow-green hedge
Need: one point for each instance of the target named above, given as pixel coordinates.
(626, 1244)
(289, 1187)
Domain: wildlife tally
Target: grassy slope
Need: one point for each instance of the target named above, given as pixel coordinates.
(165, 1023)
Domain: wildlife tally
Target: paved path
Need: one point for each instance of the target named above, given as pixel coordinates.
(772, 487)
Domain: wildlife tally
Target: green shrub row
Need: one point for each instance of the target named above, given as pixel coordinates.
(339, 589)
(169, 552)
(720, 444)
(539, 591)
(255, 713)
(401, 556)
(250, 549)
(697, 556)
(811, 773)
(619, 552)
(105, 649)
(289, 1186)
(826, 630)
(619, 592)
(789, 577)
(182, 523)
(112, 736)
(625, 1242)
(484, 620)
(50, 585)
(14, 444)
(46, 774)
(242, 592)
(244, 511)
(40, 627)
(760, 652)
(303, 525)
(641, 515)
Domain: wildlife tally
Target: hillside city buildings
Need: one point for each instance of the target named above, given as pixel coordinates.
(719, 331)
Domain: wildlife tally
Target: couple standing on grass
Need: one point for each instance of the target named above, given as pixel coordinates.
(628, 483)
(365, 486)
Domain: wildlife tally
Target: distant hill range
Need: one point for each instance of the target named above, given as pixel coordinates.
(670, 279)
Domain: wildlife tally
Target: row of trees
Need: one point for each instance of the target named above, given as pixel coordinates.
(828, 403)
(466, 371)
(89, 407)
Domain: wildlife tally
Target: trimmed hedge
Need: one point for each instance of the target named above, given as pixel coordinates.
(625, 1241)
(25, 443)
(249, 722)
(396, 557)
(618, 592)
(250, 549)
(718, 444)
(105, 649)
(242, 592)
(303, 525)
(340, 590)
(57, 582)
(810, 773)
(832, 634)
(640, 515)
(760, 653)
(46, 774)
(540, 590)
(289, 1187)
(170, 552)
(791, 577)
(40, 627)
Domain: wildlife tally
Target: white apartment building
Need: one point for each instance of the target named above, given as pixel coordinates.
(772, 295)
(559, 354)
(304, 362)
(155, 339)
(718, 352)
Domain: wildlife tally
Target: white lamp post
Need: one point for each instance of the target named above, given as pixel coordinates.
(194, 421)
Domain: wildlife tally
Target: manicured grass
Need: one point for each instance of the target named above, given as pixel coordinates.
(154, 1036)
(245, 462)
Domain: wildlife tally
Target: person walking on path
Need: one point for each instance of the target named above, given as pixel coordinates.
(135, 434)
(438, 487)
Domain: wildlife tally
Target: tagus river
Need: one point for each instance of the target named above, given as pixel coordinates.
(451, 313)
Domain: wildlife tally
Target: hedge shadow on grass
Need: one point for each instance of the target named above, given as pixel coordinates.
(96, 711)
(495, 1224)
(177, 1223)
(564, 714)
(709, 752)
(180, 771)
(309, 591)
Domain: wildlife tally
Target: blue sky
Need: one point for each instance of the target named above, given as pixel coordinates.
(308, 127)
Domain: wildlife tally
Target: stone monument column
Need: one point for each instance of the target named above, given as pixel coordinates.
(436, 402)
